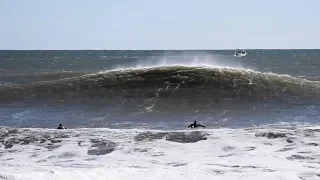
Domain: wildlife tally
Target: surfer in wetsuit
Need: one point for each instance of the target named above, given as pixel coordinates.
(61, 127)
(195, 125)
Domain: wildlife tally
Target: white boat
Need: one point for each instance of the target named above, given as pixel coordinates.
(240, 53)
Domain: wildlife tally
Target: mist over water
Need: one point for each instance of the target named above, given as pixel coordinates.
(185, 59)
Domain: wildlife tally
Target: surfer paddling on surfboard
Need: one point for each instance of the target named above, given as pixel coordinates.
(195, 125)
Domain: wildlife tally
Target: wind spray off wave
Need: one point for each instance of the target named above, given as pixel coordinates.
(199, 60)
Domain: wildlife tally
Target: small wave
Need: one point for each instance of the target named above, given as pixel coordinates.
(4, 83)
(25, 78)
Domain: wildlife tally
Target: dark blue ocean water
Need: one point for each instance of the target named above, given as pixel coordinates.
(158, 89)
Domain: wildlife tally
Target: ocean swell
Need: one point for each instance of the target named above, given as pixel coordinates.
(174, 83)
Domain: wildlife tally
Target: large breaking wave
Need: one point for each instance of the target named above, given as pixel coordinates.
(180, 84)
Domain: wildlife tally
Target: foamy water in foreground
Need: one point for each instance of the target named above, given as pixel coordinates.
(141, 154)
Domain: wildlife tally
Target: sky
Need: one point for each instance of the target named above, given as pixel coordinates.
(159, 24)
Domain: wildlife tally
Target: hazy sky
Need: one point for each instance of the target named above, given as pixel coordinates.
(159, 24)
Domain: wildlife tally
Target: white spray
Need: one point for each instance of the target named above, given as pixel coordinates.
(191, 60)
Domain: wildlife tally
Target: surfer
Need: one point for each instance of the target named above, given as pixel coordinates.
(195, 125)
(61, 127)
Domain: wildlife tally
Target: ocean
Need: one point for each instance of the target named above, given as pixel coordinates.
(127, 113)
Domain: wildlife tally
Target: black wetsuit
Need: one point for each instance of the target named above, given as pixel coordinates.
(195, 125)
(60, 127)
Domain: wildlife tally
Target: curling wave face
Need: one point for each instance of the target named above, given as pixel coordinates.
(173, 83)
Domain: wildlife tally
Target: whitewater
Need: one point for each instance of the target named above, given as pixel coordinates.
(127, 114)
(143, 154)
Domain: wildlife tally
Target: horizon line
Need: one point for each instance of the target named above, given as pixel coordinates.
(158, 49)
